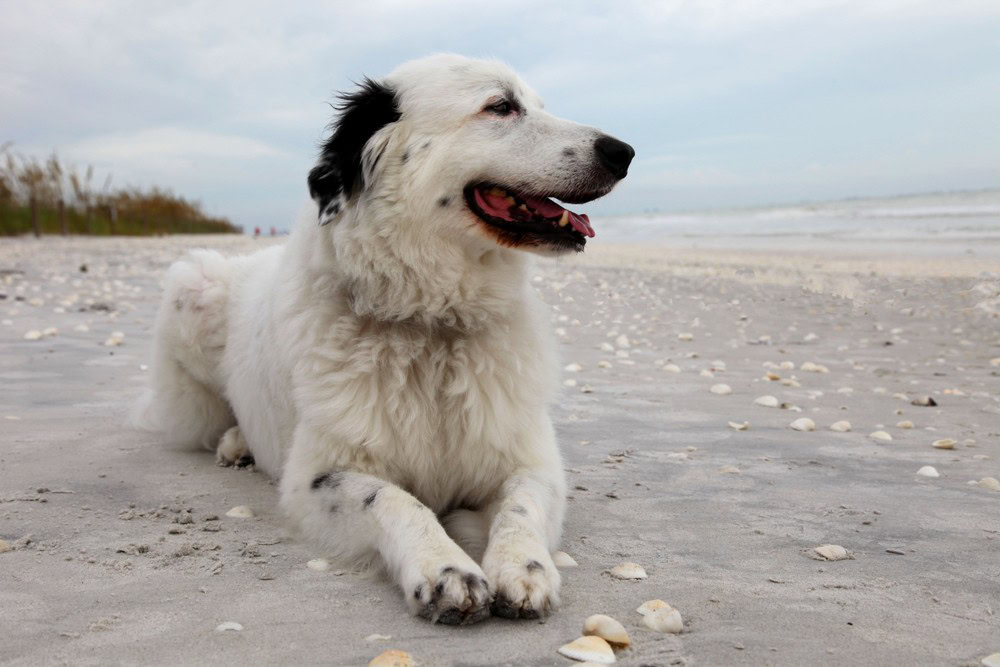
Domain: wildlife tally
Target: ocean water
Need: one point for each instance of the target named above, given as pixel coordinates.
(945, 223)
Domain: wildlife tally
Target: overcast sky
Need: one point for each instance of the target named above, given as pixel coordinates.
(726, 102)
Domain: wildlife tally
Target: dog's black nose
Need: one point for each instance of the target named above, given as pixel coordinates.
(614, 155)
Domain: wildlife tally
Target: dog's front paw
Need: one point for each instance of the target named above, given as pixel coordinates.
(453, 594)
(525, 580)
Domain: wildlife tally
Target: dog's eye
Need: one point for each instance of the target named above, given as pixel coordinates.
(502, 108)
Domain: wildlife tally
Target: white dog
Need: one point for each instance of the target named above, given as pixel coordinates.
(391, 364)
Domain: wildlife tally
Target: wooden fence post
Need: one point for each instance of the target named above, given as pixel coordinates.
(36, 224)
(62, 218)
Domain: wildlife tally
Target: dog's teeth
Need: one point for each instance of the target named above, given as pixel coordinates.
(564, 220)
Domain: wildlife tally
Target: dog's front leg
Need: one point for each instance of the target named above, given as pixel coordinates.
(526, 523)
(357, 517)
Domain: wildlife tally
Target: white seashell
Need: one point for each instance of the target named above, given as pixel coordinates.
(766, 401)
(628, 571)
(672, 368)
(905, 424)
(607, 347)
(721, 389)
(803, 424)
(881, 436)
(393, 658)
(563, 559)
(787, 365)
(729, 469)
(841, 426)
(649, 606)
(664, 620)
(34, 334)
(991, 483)
(995, 361)
(319, 564)
(623, 342)
(51, 331)
(832, 552)
(790, 407)
(586, 389)
(573, 368)
(685, 336)
(928, 471)
(603, 364)
(809, 337)
(814, 368)
(590, 648)
(229, 625)
(737, 426)
(4, 547)
(570, 382)
(924, 401)
(82, 328)
(945, 443)
(607, 629)
(240, 512)
(375, 637)
(705, 373)
(992, 660)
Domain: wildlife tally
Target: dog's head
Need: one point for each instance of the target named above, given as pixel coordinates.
(465, 150)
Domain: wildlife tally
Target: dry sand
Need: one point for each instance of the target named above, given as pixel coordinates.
(123, 553)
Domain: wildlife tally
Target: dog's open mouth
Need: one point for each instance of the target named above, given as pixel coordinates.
(526, 219)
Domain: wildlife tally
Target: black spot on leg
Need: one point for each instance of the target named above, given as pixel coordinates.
(517, 509)
(370, 498)
(405, 157)
(418, 592)
(333, 508)
(245, 461)
(438, 590)
(534, 566)
(447, 570)
(426, 144)
(329, 480)
(569, 152)
(444, 201)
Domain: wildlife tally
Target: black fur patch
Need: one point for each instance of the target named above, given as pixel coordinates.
(405, 157)
(330, 480)
(569, 152)
(370, 498)
(338, 173)
(534, 565)
(444, 201)
(517, 509)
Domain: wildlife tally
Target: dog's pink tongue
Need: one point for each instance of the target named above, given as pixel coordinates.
(549, 209)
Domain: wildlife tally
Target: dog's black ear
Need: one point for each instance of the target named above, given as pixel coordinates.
(338, 175)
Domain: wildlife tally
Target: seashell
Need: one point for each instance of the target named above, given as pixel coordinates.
(375, 637)
(570, 382)
(928, 471)
(813, 368)
(738, 426)
(623, 342)
(945, 443)
(318, 564)
(685, 336)
(4, 547)
(229, 625)
(649, 606)
(240, 512)
(803, 424)
(732, 470)
(832, 552)
(841, 426)
(589, 648)
(34, 334)
(787, 365)
(766, 401)
(51, 331)
(563, 559)
(772, 377)
(603, 364)
(392, 658)
(607, 629)
(881, 436)
(672, 368)
(791, 407)
(573, 368)
(664, 620)
(995, 361)
(721, 389)
(905, 424)
(991, 483)
(628, 571)
(992, 660)
(924, 401)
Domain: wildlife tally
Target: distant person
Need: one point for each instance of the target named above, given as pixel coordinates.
(256, 232)
(274, 232)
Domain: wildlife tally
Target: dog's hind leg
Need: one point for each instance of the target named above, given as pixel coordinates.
(233, 449)
(361, 518)
(185, 399)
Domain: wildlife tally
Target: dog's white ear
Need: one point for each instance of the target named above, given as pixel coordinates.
(338, 174)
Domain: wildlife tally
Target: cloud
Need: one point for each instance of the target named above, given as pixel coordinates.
(171, 142)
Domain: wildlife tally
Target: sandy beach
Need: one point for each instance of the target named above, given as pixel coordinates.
(121, 551)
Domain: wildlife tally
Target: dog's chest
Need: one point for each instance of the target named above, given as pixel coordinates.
(443, 416)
